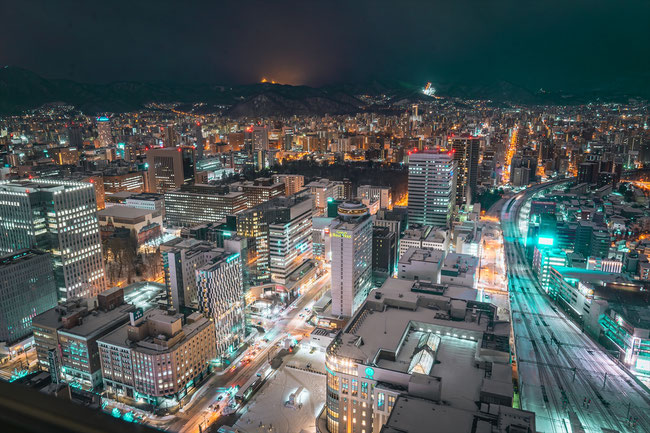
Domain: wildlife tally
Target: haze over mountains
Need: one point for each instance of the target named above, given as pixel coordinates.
(21, 90)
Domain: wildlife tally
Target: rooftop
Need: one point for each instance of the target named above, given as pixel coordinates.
(120, 337)
(124, 212)
(393, 315)
(98, 320)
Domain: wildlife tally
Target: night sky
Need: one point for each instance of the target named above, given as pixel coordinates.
(568, 44)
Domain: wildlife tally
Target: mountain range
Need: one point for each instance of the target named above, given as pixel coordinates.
(22, 90)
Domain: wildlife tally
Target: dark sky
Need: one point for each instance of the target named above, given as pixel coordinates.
(570, 44)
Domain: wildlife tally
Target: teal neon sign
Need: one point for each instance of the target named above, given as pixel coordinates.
(370, 372)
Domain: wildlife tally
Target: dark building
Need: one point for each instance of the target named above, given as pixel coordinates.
(588, 172)
(384, 247)
(466, 152)
(75, 139)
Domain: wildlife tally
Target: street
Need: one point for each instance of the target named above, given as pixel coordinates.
(197, 411)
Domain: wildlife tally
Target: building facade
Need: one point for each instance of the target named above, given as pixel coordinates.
(59, 217)
(157, 356)
(221, 299)
(27, 289)
(431, 188)
(351, 247)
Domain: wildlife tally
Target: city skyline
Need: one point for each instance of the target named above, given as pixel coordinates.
(325, 217)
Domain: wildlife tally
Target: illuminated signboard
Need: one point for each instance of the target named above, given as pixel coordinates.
(340, 234)
(370, 372)
(545, 241)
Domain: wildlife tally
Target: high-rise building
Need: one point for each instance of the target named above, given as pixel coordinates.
(384, 252)
(351, 244)
(293, 183)
(256, 138)
(75, 137)
(59, 217)
(290, 239)
(170, 168)
(221, 299)
(200, 142)
(197, 204)
(27, 289)
(157, 357)
(260, 138)
(169, 139)
(104, 133)
(431, 188)
(255, 224)
(465, 151)
(181, 258)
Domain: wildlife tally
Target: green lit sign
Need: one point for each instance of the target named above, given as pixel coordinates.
(370, 372)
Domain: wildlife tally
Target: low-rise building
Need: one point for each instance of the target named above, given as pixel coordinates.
(421, 264)
(144, 224)
(78, 327)
(460, 270)
(411, 340)
(157, 356)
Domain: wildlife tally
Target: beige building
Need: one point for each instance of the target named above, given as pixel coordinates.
(158, 355)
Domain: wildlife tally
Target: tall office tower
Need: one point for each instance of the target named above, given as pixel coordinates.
(290, 239)
(181, 258)
(200, 142)
(287, 134)
(384, 254)
(351, 244)
(169, 139)
(293, 183)
(260, 138)
(75, 138)
(431, 188)
(465, 151)
(170, 168)
(221, 298)
(59, 217)
(26, 289)
(198, 204)
(255, 224)
(104, 133)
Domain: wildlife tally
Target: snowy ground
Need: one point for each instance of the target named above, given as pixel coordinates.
(267, 408)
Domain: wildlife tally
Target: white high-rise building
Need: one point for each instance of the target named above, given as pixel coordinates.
(221, 299)
(351, 244)
(59, 217)
(290, 239)
(431, 188)
(181, 259)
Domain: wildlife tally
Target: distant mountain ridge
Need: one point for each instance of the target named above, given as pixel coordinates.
(22, 90)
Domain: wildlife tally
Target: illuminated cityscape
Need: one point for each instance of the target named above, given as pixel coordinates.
(320, 225)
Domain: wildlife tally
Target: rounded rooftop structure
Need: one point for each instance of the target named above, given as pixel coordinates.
(352, 209)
